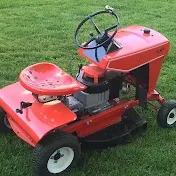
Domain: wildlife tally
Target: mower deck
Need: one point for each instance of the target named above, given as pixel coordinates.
(117, 133)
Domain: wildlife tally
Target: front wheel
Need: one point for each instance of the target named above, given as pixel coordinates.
(166, 117)
(56, 155)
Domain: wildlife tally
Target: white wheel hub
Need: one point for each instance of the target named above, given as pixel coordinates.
(171, 118)
(60, 160)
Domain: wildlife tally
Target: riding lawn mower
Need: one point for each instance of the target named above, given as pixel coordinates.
(58, 114)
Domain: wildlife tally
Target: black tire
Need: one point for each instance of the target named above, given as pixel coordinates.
(4, 122)
(166, 114)
(44, 151)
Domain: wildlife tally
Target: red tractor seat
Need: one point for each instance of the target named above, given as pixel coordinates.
(49, 79)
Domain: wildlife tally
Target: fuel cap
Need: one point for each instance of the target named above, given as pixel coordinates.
(146, 31)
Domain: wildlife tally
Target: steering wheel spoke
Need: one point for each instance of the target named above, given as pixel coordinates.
(92, 39)
(111, 27)
(94, 25)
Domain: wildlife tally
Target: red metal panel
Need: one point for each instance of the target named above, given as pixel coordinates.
(20, 132)
(92, 124)
(133, 61)
(154, 71)
(37, 120)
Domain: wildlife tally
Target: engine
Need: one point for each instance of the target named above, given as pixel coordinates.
(102, 86)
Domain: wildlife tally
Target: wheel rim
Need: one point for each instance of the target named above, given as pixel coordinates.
(6, 122)
(60, 160)
(171, 118)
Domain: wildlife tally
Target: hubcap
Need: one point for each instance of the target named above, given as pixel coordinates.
(60, 160)
(171, 118)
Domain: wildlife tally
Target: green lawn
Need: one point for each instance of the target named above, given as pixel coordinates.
(35, 31)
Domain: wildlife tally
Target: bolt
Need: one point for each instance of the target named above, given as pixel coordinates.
(29, 137)
(126, 106)
(88, 122)
(52, 157)
(55, 161)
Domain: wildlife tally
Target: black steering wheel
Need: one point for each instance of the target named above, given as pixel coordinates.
(102, 38)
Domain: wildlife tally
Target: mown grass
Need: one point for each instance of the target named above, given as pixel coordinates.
(35, 31)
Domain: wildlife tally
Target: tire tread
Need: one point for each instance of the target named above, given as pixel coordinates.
(163, 113)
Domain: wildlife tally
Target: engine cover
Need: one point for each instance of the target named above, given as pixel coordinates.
(90, 100)
(93, 103)
(94, 78)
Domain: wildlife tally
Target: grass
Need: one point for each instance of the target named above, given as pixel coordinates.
(35, 31)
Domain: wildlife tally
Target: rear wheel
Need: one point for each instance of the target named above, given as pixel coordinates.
(4, 123)
(167, 115)
(56, 155)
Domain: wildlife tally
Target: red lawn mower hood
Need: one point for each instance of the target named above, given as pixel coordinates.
(139, 46)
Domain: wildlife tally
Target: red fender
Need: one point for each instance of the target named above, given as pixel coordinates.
(35, 121)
